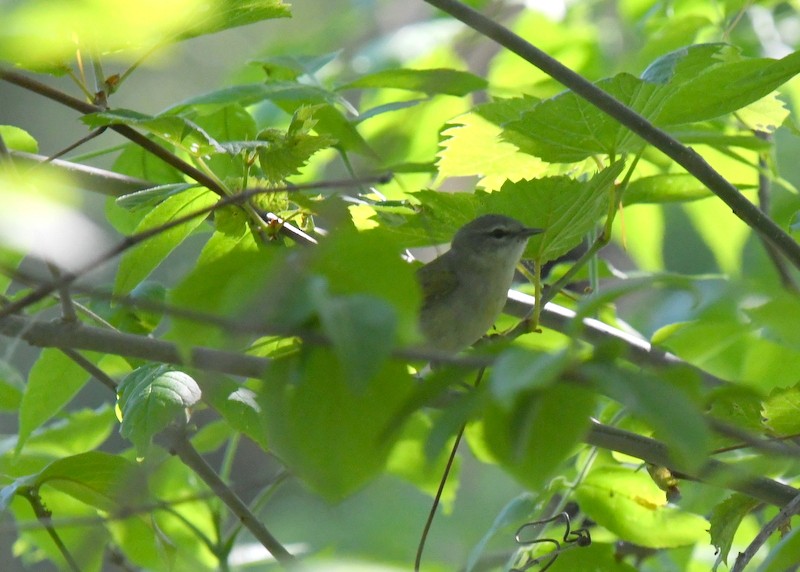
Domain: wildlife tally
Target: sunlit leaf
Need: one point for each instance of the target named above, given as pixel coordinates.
(152, 397)
(138, 262)
(630, 505)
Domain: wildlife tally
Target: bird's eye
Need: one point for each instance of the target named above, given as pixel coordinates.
(498, 233)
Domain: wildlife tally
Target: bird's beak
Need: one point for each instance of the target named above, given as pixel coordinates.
(531, 231)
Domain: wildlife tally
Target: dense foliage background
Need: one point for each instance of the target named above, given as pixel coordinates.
(209, 349)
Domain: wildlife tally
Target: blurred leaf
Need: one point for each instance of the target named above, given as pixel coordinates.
(518, 370)
(221, 15)
(249, 94)
(39, 34)
(631, 506)
(141, 314)
(229, 275)
(428, 81)
(238, 405)
(674, 416)
(152, 397)
(727, 347)
(11, 387)
(517, 510)
(784, 555)
(53, 381)
(139, 261)
(77, 432)
(725, 520)
(362, 330)
(776, 318)
(18, 139)
(409, 462)
(664, 188)
(292, 66)
(330, 436)
(369, 263)
(104, 481)
(533, 437)
(98, 479)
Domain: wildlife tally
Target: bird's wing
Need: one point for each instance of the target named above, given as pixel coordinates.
(437, 282)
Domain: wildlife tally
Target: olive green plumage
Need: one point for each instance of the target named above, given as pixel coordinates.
(465, 289)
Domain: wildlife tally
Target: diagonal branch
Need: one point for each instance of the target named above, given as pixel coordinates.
(684, 156)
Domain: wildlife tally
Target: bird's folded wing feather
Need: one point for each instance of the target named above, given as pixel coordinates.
(437, 282)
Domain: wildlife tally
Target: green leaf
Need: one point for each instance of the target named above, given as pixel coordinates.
(77, 432)
(669, 410)
(631, 506)
(518, 370)
(53, 381)
(332, 438)
(137, 162)
(226, 14)
(409, 461)
(725, 520)
(369, 263)
(784, 555)
(362, 329)
(665, 188)
(152, 397)
(727, 347)
(137, 262)
(229, 275)
(98, 479)
(286, 152)
(18, 139)
(780, 411)
(238, 405)
(519, 509)
(149, 198)
(428, 81)
(292, 66)
(720, 82)
(11, 387)
(533, 437)
(567, 128)
(249, 94)
(472, 145)
(178, 131)
(567, 209)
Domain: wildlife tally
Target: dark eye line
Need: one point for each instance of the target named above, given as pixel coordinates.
(498, 233)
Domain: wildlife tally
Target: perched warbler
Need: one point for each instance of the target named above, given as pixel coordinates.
(465, 289)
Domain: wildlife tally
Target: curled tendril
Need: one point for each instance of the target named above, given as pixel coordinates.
(571, 539)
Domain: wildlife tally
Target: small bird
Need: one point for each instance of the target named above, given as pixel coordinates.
(465, 289)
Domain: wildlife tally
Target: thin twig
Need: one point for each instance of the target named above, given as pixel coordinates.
(67, 307)
(789, 510)
(684, 156)
(179, 445)
(91, 369)
(132, 240)
(442, 482)
(657, 453)
(764, 192)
